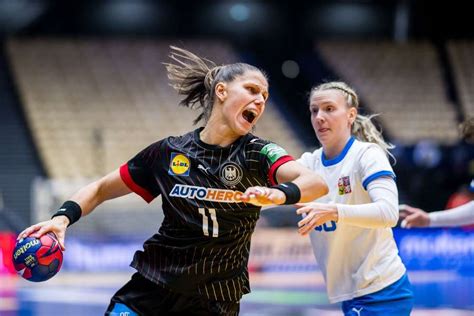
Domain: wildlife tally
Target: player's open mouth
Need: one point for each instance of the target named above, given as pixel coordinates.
(249, 115)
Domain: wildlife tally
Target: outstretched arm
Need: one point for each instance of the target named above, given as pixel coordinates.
(88, 198)
(293, 175)
(92, 195)
(458, 216)
(311, 185)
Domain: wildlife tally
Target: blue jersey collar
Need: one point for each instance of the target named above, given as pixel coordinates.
(338, 158)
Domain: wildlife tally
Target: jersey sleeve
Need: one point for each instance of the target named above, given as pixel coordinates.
(458, 216)
(269, 157)
(374, 164)
(139, 172)
(305, 160)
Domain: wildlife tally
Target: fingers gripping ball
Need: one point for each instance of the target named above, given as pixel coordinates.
(38, 259)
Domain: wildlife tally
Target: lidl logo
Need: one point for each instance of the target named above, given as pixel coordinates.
(179, 165)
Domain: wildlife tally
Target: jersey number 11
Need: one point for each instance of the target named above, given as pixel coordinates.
(205, 221)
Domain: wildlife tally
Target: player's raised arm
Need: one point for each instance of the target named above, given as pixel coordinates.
(80, 204)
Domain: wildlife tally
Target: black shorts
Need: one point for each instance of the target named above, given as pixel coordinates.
(149, 299)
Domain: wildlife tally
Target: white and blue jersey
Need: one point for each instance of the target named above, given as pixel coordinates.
(355, 260)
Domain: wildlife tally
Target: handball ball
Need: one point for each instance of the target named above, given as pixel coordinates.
(38, 259)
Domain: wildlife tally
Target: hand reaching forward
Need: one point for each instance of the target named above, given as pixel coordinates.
(315, 214)
(413, 217)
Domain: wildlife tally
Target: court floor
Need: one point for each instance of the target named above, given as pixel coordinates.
(275, 294)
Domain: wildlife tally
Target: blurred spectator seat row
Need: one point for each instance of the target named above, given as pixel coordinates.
(92, 104)
(461, 55)
(402, 82)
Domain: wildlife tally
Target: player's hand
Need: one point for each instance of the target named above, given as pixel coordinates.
(57, 225)
(413, 217)
(261, 196)
(315, 214)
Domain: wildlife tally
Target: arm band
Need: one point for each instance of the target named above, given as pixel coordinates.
(291, 190)
(71, 210)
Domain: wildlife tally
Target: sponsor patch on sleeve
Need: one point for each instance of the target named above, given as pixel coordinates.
(273, 152)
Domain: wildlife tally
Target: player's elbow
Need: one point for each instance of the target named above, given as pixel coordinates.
(392, 222)
(392, 215)
(388, 211)
(320, 188)
(323, 188)
(312, 186)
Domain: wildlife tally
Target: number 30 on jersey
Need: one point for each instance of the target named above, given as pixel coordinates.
(327, 227)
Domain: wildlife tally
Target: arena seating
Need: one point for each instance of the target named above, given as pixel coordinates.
(461, 58)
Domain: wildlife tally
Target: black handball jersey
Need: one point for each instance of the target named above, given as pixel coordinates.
(203, 243)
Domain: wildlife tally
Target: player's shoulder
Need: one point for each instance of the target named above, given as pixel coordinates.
(367, 149)
(256, 146)
(370, 154)
(170, 142)
(255, 141)
(179, 140)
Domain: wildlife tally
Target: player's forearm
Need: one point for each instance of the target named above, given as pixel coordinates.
(461, 215)
(88, 197)
(312, 186)
(97, 192)
(382, 212)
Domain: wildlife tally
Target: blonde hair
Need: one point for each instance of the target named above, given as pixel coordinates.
(363, 128)
(466, 129)
(196, 78)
